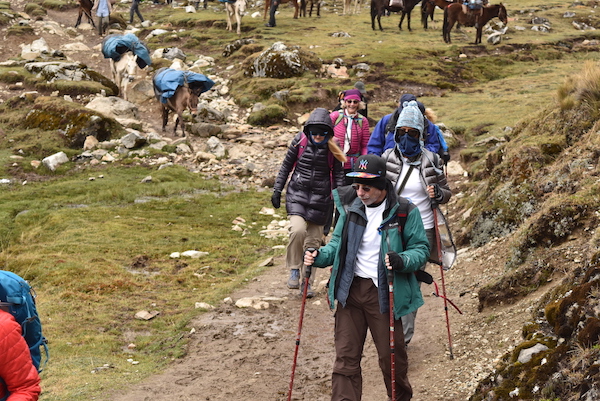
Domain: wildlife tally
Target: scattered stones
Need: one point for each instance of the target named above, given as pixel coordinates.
(145, 315)
(55, 160)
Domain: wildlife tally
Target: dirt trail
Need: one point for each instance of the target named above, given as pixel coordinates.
(248, 353)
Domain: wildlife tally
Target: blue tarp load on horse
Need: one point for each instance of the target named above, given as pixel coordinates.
(115, 45)
(167, 80)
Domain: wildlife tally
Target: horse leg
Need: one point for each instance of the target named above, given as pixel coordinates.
(373, 16)
(165, 116)
(401, 19)
(478, 35)
(228, 15)
(297, 10)
(88, 14)
(267, 7)
(123, 89)
(180, 121)
(447, 32)
(79, 17)
(238, 19)
(303, 8)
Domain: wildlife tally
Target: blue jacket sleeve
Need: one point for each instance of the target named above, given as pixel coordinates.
(432, 141)
(376, 143)
(441, 137)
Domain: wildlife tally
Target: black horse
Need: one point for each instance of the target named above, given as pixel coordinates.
(379, 8)
(303, 4)
(454, 13)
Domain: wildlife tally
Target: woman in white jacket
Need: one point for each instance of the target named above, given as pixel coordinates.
(418, 175)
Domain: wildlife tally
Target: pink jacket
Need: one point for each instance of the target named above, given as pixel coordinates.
(16, 369)
(359, 136)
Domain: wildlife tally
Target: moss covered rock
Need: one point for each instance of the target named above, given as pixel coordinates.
(73, 121)
(88, 81)
(280, 61)
(271, 114)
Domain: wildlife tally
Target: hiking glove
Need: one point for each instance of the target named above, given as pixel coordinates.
(395, 261)
(438, 195)
(276, 199)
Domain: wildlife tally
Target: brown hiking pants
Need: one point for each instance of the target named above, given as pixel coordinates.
(351, 324)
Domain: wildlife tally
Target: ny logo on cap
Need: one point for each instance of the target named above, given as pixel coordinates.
(363, 164)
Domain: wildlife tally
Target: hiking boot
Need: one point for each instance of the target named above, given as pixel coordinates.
(309, 291)
(294, 280)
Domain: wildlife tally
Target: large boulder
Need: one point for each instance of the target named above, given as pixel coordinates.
(280, 61)
(52, 71)
(121, 110)
(72, 121)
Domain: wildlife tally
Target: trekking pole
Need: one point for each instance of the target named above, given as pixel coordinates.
(439, 258)
(307, 272)
(390, 274)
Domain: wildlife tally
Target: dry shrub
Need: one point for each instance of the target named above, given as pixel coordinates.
(581, 88)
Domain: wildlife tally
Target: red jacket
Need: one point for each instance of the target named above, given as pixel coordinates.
(16, 369)
(359, 135)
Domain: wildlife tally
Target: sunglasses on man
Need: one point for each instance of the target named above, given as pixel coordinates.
(365, 188)
(412, 132)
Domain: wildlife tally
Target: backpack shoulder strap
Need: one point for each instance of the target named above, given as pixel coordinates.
(402, 214)
(338, 118)
(301, 145)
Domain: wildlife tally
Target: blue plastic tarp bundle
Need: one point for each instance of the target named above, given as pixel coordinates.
(167, 80)
(114, 46)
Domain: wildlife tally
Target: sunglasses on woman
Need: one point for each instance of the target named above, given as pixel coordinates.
(319, 133)
(352, 101)
(365, 188)
(412, 132)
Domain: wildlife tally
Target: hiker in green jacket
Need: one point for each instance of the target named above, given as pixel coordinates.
(376, 231)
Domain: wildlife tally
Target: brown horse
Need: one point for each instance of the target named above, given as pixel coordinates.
(303, 4)
(294, 3)
(85, 7)
(379, 8)
(428, 7)
(184, 98)
(454, 13)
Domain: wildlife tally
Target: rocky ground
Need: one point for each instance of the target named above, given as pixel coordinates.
(247, 352)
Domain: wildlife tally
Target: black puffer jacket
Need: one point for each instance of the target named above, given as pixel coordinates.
(309, 189)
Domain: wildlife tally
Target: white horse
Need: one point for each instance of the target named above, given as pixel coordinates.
(124, 72)
(347, 7)
(238, 8)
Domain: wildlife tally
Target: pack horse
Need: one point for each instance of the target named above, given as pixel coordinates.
(177, 92)
(126, 54)
(235, 9)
